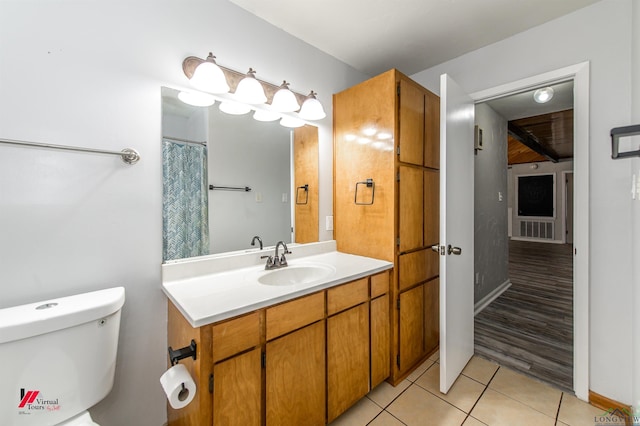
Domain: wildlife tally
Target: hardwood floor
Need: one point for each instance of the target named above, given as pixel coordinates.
(529, 328)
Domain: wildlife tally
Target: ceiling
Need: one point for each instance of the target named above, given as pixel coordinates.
(410, 35)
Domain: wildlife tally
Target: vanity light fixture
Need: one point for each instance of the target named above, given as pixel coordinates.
(312, 108)
(287, 121)
(285, 100)
(257, 92)
(234, 108)
(209, 77)
(198, 99)
(250, 90)
(544, 95)
(264, 115)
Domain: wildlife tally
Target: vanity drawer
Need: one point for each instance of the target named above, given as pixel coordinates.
(236, 335)
(379, 284)
(289, 316)
(347, 295)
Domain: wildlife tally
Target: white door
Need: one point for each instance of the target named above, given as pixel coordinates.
(456, 230)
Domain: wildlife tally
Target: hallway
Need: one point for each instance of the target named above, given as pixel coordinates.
(529, 328)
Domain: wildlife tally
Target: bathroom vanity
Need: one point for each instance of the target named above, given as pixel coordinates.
(290, 346)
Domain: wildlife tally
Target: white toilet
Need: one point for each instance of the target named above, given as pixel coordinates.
(58, 358)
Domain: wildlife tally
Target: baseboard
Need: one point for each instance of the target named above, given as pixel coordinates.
(537, 240)
(611, 406)
(486, 301)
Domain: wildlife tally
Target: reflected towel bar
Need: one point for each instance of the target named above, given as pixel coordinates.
(129, 155)
(230, 188)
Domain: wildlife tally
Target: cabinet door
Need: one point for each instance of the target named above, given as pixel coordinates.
(411, 140)
(410, 208)
(431, 130)
(411, 327)
(380, 340)
(295, 382)
(431, 315)
(237, 390)
(347, 359)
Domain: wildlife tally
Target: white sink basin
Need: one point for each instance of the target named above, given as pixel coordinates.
(296, 274)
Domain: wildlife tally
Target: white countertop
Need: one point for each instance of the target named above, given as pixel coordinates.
(228, 285)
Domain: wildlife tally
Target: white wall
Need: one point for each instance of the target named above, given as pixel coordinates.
(635, 168)
(89, 74)
(601, 34)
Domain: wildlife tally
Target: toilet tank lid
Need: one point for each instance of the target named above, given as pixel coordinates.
(24, 321)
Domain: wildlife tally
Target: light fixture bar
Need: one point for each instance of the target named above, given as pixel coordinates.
(190, 64)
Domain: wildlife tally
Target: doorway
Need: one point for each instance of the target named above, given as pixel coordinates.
(579, 73)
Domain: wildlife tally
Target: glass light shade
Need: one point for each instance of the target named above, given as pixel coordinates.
(250, 91)
(262, 115)
(543, 95)
(312, 109)
(234, 108)
(284, 100)
(198, 99)
(291, 122)
(209, 77)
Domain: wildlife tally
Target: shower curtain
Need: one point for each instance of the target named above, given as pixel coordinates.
(185, 217)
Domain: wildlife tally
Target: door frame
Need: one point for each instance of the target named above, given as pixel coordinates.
(565, 202)
(579, 73)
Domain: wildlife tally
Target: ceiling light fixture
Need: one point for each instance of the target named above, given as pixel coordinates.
(312, 108)
(287, 121)
(285, 100)
(234, 108)
(209, 77)
(544, 95)
(264, 115)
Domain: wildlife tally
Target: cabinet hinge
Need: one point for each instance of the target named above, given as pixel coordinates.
(398, 304)
(398, 150)
(264, 360)
(211, 383)
(398, 241)
(398, 361)
(398, 177)
(398, 89)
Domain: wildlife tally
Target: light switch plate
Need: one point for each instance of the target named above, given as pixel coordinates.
(329, 223)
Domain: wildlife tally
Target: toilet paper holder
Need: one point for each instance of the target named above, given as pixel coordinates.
(182, 353)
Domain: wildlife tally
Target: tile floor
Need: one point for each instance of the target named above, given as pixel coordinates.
(485, 394)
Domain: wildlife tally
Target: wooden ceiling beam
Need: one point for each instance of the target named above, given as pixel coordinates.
(531, 142)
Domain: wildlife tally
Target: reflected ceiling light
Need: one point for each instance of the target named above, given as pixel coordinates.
(198, 99)
(363, 140)
(250, 90)
(312, 108)
(287, 121)
(285, 100)
(369, 131)
(262, 115)
(383, 136)
(543, 95)
(350, 137)
(234, 108)
(209, 77)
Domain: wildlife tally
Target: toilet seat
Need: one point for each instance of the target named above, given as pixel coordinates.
(82, 419)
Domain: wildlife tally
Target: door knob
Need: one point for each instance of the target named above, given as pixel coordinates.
(454, 250)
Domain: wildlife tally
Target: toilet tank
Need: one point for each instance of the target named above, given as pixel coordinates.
(57, 357)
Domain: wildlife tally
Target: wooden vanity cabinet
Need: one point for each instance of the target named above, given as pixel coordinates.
(295, 362)
(303, 361)
(387, 129)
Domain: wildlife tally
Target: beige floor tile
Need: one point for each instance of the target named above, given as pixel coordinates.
(480, 369)
(417, 407)
(384, 393)
(386, 419)
(463, 394)
(360, 414)
(575, 412)
(435, 356)
(528, 391)
(420, 370)
(496, 409)
(471, 421)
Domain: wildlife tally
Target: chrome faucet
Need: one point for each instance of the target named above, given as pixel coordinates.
(277, 261)
(253, 241)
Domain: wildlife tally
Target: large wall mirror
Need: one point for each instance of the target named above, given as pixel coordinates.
(228, 178)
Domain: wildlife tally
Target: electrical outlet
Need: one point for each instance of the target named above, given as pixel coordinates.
(499, 195)
(258, 197)
(284, 197)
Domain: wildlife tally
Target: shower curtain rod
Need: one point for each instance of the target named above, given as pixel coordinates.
(185, 140)
(129, 155)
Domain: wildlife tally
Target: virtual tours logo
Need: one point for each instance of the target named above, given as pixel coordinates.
(615, 417)
(32, 401)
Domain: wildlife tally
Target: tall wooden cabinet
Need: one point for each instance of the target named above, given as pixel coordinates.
(386, 200)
